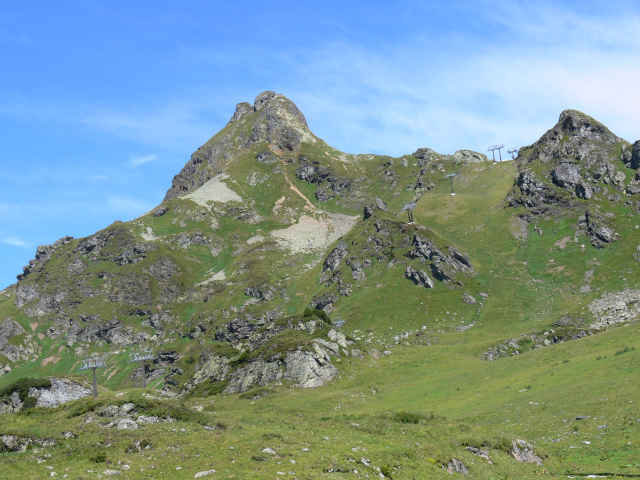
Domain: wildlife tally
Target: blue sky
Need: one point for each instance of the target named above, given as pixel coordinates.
(101, 103)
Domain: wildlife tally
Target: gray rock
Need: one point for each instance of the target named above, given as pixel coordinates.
(263, 292)
(456, 466)
(131, 289)
(62, 390)
(468, 299)
(309, 369)
(242, 109)
(584, 191)
(420, 278)
(635, 156)
(266, 157)
(204, 473)
(158, 212)
(614, 308)
(332, 262)
(257, 372)
(633, 188)
(478, 452)
(324, 302)
(375, 204)
(15, 443)
(425, 156)
(9, 329)
(469, 156)
(523, 452)
(566, 175)
(148, 420)
(127, 408)
(126, 424)
(163, 269)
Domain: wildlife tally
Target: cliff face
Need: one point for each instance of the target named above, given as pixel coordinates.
(268, 233)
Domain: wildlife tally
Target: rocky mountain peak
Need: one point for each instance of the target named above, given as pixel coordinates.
(273, 120)
(573, 123)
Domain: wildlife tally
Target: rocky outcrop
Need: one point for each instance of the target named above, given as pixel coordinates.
(615, 308)
(576, 159)
(131, 290)
(373, 206)
(469, 156)
(444, 268)
(16, 443)
(420, 278)
(324, 302)
(262, 292)
(236, 330)
(9, 328)
(329, 183)
(305, 368)
(211, 368)
(456, 466)
(333, 260)
(596, 228)
(523, 452)
(43, 253)
(112, 331)
(309, 369)
(62, 391)
(259, 372)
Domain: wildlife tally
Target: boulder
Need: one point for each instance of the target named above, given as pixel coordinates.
(372, 206)
(523, 452)
(456, 466)
(469, 156)
(566, 175)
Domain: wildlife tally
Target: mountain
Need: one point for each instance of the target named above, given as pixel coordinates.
(277, 261)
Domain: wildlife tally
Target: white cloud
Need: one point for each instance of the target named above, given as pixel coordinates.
(475, 91)
(136, 161)
(16, 242)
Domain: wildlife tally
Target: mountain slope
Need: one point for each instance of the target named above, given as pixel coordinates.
(277, 261)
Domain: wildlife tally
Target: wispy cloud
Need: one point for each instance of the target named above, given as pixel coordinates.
(474, 92)
(137, 161)
(16, 242)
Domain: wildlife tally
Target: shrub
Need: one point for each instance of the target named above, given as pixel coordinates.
(23, 385)
(84, 405)
(190, 360)
(625, 350)
(412, 417)
(99, 457)
(321, 314)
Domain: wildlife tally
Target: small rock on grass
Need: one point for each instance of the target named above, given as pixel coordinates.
(204, 473)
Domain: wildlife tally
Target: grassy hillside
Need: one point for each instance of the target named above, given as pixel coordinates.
(506, 311)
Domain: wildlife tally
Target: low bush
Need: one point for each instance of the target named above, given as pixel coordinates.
(412, 417)
(23, 385)
(321, 314)
(625, 350)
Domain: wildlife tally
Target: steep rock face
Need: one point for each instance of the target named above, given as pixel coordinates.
(273, 119)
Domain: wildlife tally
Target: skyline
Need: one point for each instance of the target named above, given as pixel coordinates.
(103, 104)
